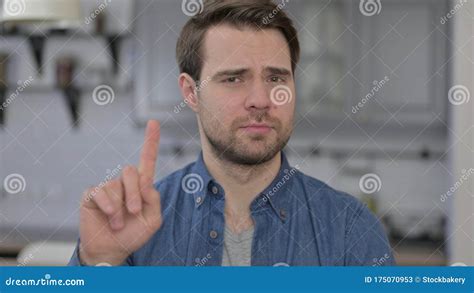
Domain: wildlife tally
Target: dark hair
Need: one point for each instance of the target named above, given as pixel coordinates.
(263, 14)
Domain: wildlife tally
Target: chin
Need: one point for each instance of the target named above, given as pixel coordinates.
(251, 156)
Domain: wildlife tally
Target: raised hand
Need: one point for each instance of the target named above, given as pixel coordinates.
(120, 217)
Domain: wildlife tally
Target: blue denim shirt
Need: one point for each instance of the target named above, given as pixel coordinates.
(299, 221)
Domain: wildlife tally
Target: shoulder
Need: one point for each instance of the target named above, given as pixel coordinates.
(348, 223)
(322, 196)
(330, 205)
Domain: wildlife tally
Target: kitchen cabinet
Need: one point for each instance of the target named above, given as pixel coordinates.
(402, 51)
(407, 44)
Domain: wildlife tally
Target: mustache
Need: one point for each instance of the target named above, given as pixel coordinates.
(258, 117)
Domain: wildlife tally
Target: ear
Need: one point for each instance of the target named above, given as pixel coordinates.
(188, 90)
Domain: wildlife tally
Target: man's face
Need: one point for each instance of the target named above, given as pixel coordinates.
(246, 96)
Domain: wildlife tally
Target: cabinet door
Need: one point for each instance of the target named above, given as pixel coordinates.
(321, 76)
(157, 29)
(405, 45)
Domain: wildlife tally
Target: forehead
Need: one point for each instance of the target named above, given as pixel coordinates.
(226, 46)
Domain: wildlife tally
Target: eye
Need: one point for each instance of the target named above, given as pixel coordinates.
(277, 79)
(232, 79)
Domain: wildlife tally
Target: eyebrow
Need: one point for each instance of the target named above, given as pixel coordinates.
(240, 71)
(230, 72)
(278, 71)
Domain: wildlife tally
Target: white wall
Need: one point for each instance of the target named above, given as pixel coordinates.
(462, 227)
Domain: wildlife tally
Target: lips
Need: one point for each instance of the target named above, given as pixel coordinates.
(259, 128)
(257, 125)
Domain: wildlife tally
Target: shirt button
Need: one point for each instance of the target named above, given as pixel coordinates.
(283, 214)
(199, 200)
(213, 234)
(215, 190)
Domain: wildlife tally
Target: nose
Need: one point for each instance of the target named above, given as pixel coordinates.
(258, 97)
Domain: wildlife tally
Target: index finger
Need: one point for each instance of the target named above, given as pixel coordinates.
(150, 148)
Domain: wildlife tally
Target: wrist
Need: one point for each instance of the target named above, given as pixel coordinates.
(86, 259)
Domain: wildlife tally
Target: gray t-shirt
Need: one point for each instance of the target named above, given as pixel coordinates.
(237, 248)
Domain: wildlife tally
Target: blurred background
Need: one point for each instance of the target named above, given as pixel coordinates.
(383, 113)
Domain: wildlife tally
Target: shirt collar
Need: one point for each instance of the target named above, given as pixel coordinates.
(203, 178)
(274, 195)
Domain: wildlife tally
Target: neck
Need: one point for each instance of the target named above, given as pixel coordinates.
(242, 183)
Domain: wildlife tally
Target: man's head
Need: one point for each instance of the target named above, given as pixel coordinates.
(237, 63)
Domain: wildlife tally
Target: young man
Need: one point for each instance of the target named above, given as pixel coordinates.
(240, 203)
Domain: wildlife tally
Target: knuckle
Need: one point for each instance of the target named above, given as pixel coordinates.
(114, 190)
(115, 184)
(90, 193)
(129, 170)
(146, 180)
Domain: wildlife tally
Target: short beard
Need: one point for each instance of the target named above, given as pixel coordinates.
(230, 150)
